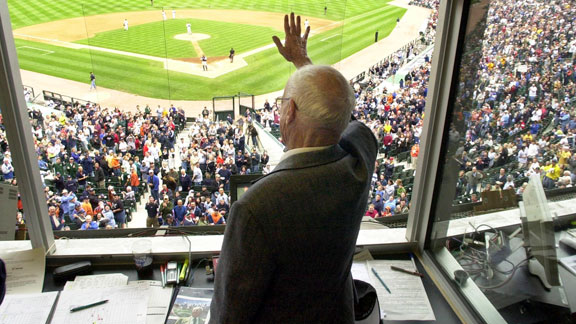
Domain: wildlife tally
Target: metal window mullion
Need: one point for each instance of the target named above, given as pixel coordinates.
(19, 135)
(443, 63)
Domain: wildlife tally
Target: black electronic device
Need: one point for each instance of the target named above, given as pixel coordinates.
(70, 271)
(240, 183)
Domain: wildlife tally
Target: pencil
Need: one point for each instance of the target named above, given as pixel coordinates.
(414, 273)
(381, 281)
(79, 308)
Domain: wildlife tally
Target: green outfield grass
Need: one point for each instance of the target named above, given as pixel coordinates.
(157, 39)
(266, 70)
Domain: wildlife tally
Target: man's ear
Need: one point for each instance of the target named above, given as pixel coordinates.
(291, 113)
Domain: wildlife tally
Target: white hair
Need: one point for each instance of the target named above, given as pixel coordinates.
(323, 95)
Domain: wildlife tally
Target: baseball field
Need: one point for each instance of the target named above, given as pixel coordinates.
(153, 49)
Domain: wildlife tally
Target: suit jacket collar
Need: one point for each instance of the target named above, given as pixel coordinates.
(310, 159)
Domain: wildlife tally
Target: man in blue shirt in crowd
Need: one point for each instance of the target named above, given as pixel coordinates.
(153, 184)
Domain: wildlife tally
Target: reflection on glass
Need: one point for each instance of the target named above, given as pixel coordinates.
(511, 120)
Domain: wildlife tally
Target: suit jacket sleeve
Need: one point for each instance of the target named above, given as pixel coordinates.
(245, 269)
(358, 140)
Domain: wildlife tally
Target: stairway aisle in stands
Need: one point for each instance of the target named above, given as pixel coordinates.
(139, 217)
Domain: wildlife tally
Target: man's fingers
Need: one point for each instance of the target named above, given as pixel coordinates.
(292, 23)
(279, 45)
(286, 25)
(298, 26)
(306, 33)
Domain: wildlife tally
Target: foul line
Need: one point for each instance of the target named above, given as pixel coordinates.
(327, 38)
(37, 49)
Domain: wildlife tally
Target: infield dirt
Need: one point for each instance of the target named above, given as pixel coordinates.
(75, 29)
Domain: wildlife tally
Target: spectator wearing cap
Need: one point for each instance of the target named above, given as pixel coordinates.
(67, 203)
(78, 214)
(71, 167)
(58, 167)
(189, 220)
(87, 206)
(118, 210)
(378, 203)
(552, 172)
(165, 209)
(216, 218)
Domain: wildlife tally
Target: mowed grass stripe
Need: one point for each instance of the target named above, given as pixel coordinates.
(266, 72)
(337, 10)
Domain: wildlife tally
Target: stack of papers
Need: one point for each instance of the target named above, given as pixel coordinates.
(136, 302)
(406, 298)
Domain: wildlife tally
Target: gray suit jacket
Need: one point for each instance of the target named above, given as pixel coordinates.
(290, 239)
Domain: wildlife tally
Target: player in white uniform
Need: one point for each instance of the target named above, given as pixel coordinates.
(173, 14)
(163, 15)
(189, 28)
(125, 24)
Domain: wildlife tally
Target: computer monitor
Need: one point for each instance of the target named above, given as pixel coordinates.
(538, 228)
(239, 184)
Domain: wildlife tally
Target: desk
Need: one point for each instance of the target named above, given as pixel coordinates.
(444, 314)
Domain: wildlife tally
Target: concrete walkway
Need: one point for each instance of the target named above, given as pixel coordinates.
(406, 31)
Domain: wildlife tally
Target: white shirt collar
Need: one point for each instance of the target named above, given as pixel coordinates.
(299, 150)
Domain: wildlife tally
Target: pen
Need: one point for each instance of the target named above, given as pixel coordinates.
(414, 273)
(79, 308)
(381, 281)
(162, 276)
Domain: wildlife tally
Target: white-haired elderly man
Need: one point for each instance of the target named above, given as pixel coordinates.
(290, 238)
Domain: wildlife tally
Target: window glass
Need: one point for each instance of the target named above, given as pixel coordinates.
(511, 118)
(96, 147)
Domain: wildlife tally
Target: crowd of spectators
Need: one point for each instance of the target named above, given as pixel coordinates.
(97, 163)
(518, 100)
(517, 109)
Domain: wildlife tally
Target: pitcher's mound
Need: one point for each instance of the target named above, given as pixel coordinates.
(194, 37)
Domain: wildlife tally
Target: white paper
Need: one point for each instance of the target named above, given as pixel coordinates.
(8, 201)
(360, 272)
(24, 271)
(159, 301)
(97, 281)
(408, 299)
(27, 308)
(126, 304)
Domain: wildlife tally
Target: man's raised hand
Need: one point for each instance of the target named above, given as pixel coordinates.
(294, 48)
